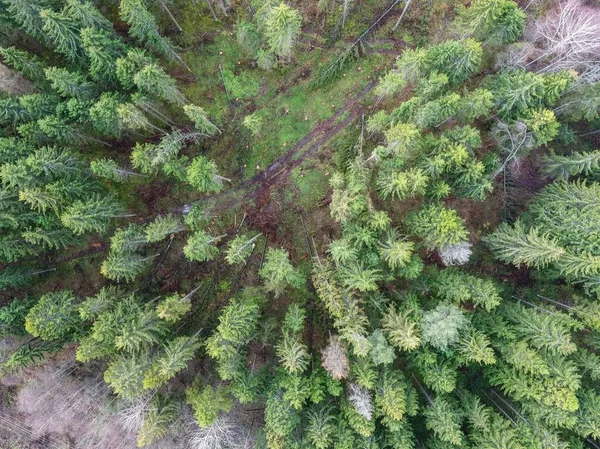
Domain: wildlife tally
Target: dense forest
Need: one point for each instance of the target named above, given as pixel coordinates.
(300, 224)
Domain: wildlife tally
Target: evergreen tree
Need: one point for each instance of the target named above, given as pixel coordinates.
(152, 80)
(200, 119)
(161, 227)
(208, 402)
(124, 266)
(29, 65)
(53, 317)
(27, 14)
(437, 226)
(200, 247)
(281, 27)
(497, 21)
(562, 167)
(175, 356)
(105, 117)
(70, 84)
(85, 15)
(240, 248)
(109, 169)
(202, 175)
(277, 272)
(63, 32)
(91, 215)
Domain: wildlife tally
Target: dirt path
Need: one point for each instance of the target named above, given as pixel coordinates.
(276, 173)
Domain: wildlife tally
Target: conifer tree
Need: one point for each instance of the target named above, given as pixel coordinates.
(281, 27)
(200, 247)
(91, 215)
(53, 317)
(161, 227)
(85, 15)
(63, 32)
(277, 272)
(27, 14)
(175, 356)
(152, 80)
(202, 174)
(208, 402)
(240, 248)
(200, 119)
(29, 65)
(437, 226)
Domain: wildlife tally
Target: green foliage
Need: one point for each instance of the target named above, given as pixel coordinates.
(200, 119)
(174, 357)
(441, 326)
(173, 308)
(162, 227)
(160, 415)
(93, 214)
(202, 174)
(402, 332)
(125, 374)
(516, 245)
(277, 272)
(497, 21)
(240, 248)
(437, 226)
(53, 317)
(444, 421)
(200, 247)
(381, 353)
(563, 167)
(207, 402)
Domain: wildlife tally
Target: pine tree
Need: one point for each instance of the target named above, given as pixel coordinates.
(395, 251)
(161, 414)
(437, 226)
(442, 325)
(202, 174)
(493, 20)
(29, 65)
(85, 15)
(173, 308)
(53, 317)
(444, 421)
(109, 169)
(281, 27)
(124, 266)
(401, 330)
(516, 245)
(277, 272)
(200, 119)
(104, 115)
(63, 32)
(27, 14)
(152, 80)
(240, 248)
(200, 247)
(208, 402)
(139, 334)
(161, 227)
(174, 357)
(70, 84)
(91, 215)
(562, 167)
(125, 375)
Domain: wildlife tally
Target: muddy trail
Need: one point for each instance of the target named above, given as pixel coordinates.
(275, 175)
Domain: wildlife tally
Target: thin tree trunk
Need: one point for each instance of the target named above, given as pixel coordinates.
(171, 15)
(402, 15)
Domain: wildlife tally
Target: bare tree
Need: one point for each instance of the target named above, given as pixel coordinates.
(360, 398)
(334, 358)
(568, 38)
(513, 139)
(458, 254)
